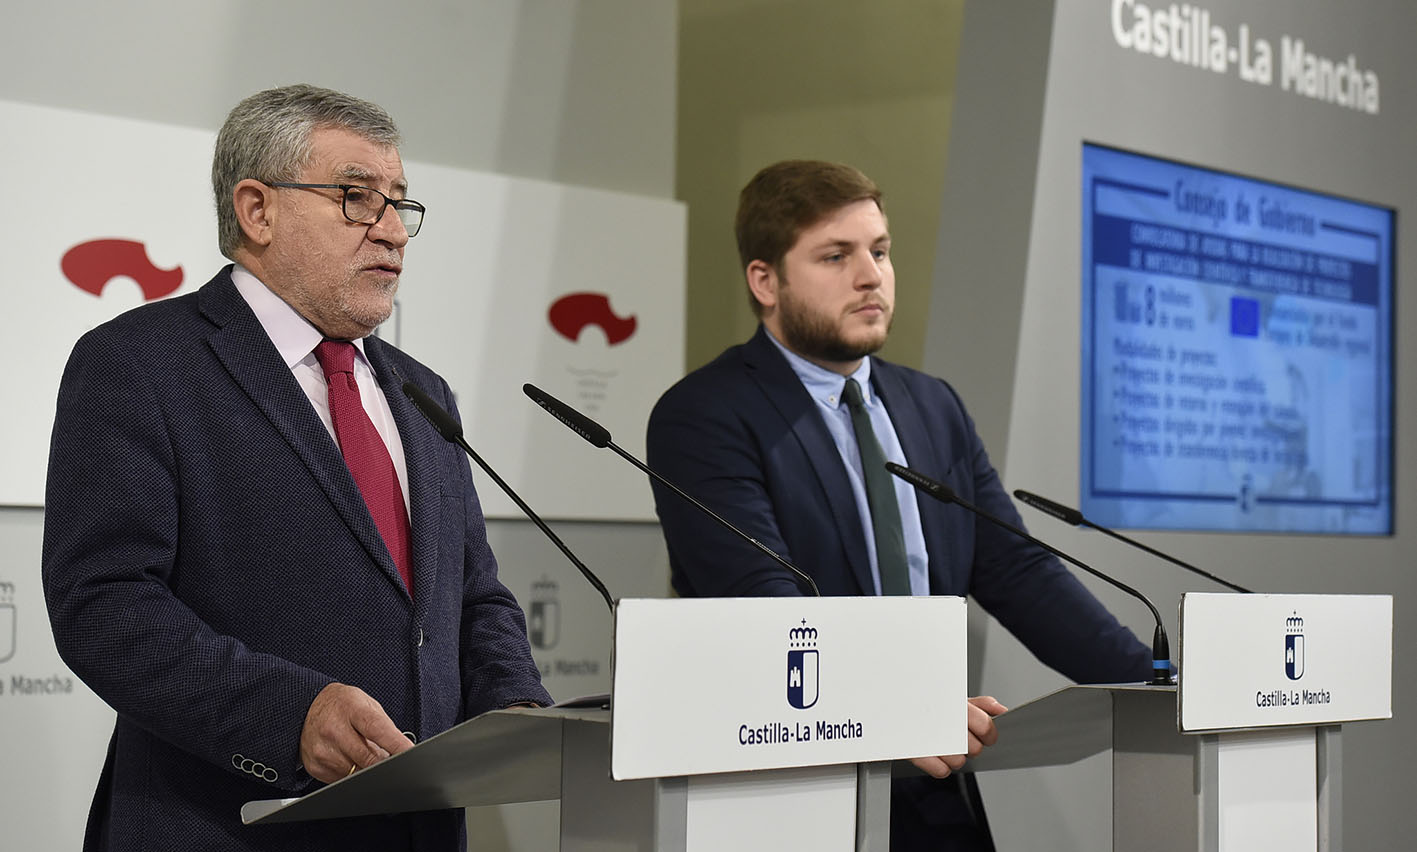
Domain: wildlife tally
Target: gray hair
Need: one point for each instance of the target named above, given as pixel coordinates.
(267, 137)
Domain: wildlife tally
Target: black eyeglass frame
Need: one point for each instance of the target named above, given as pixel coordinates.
(398, 204)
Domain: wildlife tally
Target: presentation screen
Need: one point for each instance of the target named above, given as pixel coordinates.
(1236, 352)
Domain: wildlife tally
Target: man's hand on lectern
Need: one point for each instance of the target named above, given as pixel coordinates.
(345, 730)
(982, 710)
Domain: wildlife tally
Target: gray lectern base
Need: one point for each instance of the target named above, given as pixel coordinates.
(1167, 787)
(534, 754)
(735, 810)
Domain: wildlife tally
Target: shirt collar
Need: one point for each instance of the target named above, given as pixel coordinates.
(293, 335)
(822, 384)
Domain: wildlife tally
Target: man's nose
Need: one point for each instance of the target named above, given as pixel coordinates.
(868, 273)
(389, 229)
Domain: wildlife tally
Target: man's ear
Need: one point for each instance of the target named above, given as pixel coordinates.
(254, 202)
(762, 283)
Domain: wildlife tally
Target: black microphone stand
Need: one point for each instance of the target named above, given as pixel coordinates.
(1160, 646)
(451, 431)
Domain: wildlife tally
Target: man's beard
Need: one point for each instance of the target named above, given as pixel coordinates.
(368, 308)
(817, 336)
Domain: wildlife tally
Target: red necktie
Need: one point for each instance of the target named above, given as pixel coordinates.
(365, 454)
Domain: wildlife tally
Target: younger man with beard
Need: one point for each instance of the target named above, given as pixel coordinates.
(767, 436)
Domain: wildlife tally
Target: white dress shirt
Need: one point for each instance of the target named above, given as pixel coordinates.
(295, 338)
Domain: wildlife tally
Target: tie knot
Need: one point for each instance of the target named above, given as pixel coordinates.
(851, 394)
(335, 356)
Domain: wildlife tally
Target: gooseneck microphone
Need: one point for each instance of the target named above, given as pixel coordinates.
(1160, 646)
(1075, 518)
(599, 436)
(451, 431)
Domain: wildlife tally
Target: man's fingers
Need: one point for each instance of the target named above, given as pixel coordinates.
(378, 750)
(939, 767)
(989, 704)
(360, 751)
(980, 715)
(985, 735)
(932, 766)
(977, 744)
(380, 734)
(345, 729)
(330, 757)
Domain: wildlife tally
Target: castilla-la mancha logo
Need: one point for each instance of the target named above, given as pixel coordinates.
(1294, 647)
(803, 666)
(544, 626)
(7, 620)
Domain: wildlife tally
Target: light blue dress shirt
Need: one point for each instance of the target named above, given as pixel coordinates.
(825, 388)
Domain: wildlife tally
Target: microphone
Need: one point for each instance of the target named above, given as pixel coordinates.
(451, 431)
(1160, 647)
(1075, 518)
(599, 437)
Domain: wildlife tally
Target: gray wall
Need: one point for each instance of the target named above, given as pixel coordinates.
(1034, 81)
(871, 85)
(559, 90)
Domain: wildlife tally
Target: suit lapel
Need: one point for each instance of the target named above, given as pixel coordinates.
(785, 391)
(244, 349)
(425, 483)
(907, 418)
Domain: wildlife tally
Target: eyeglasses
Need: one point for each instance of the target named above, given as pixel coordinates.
(366, 206)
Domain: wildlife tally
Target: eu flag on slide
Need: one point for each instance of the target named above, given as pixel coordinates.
(1244, 317)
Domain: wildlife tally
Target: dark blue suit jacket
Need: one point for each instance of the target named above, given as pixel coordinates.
(743, 435)
(210, 566)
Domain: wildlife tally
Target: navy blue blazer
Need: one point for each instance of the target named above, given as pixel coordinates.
(210, 566)
(742, 435)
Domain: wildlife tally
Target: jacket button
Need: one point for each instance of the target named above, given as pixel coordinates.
(420, 637)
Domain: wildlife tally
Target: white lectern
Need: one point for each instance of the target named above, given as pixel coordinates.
(1248, 754)
(744, 724)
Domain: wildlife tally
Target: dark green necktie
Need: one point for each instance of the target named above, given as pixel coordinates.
(880, 496)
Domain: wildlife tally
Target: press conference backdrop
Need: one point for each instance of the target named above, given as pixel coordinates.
(1309, 95)
(567, 92)
(509, 281)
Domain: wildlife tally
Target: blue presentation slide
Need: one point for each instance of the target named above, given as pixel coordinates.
(1236, 352)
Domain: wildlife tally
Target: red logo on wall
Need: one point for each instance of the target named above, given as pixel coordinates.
(571, 313)
(91, 265)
